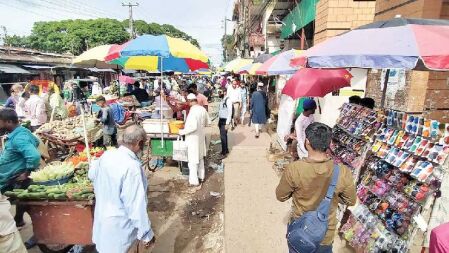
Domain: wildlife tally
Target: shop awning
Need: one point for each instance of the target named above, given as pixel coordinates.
(37, 67)
(12, 69)
(101, 70)
(300, 16)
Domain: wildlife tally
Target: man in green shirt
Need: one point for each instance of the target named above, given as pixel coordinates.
(19, 157)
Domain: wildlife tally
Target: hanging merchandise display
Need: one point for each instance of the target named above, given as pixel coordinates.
(398, 161)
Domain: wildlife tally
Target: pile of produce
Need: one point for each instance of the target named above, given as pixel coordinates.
(67, 129)
(53, 171)
(81, 157)
(79, 188)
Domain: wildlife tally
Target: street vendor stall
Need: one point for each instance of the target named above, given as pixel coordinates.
(399, 164)
(60, 201)
(68, 133)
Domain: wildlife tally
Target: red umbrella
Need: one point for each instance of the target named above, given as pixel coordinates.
(308, 82)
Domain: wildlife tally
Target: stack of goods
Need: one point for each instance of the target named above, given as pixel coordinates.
(76, 187)
(402, 171)
(353, 133)
(70, 129)
(364, 231)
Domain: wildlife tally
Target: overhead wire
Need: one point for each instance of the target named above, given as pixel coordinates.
(71, 11)
(11, 5)
(81, 7)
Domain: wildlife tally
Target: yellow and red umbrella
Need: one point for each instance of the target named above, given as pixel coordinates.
(158, 53)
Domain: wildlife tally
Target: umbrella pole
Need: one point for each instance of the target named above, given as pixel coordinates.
(162, 90)
(384, 89)
(86, 141)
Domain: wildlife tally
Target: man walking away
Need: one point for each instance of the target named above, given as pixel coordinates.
(258, 109)
(301, 123)
(306, 182)
(245, 98)
(106, 117)
(194, 131)
(35, 109)
(235, 95)
(225, 116)
(121, 222)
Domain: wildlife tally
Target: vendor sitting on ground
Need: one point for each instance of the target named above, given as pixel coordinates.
(105, 116)
(19, 157)
(141, 95)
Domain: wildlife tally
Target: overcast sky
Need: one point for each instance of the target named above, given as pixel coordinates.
(202, 19)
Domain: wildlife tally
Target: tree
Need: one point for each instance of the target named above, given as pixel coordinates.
(227, 42)
(76, 36)
(15, 40)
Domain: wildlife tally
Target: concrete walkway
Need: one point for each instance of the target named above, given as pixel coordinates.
(255, 222)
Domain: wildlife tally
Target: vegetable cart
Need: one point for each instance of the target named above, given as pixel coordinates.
(58, 225)
(162, 145)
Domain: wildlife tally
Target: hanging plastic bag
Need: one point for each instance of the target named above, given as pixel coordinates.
(180, 150)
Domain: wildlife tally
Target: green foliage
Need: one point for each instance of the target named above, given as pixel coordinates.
(227, 41)
(15, 40)
(76, 36)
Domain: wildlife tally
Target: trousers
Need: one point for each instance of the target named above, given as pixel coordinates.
(223, 136)
(12, 243)
(196, 172)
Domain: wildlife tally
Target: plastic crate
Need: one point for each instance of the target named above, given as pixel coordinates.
(158, 150)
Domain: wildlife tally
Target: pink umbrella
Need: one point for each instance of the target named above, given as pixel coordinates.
(126, 79)
(316, 82)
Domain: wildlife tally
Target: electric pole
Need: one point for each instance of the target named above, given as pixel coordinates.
(225, 40)
(131, 28)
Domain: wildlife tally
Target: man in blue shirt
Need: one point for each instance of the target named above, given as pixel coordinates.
(121, 222)
(106, 117)
(19, 157)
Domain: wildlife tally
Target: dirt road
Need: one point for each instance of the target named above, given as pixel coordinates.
(254, 219)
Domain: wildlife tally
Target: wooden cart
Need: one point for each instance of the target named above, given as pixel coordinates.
(58, 225)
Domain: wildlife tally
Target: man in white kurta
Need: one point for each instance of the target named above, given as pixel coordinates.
(121, 219)
(195, 133)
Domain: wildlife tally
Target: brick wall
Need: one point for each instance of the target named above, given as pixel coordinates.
(334, 17)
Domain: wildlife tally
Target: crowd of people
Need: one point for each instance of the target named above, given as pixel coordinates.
(118, 179)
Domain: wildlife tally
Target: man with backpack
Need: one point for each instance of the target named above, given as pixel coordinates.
(224, 120)
(105, 116)
(316, 185)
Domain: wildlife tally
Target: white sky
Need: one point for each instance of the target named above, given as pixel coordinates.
(201, 19)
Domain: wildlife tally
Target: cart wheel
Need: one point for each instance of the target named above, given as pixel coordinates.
(54, 248)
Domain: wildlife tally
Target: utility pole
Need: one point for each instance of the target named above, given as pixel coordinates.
(131, 28)
(225, 39)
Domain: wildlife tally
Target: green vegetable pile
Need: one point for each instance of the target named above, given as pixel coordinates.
(79, 188)
(53, 171)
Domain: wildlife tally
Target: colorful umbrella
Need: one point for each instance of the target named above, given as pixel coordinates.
(158, 53)
(236, 64)
(263, 58)
(250, 69)
(279, 64)
(420, 44)
(95, 58)
(308, 82)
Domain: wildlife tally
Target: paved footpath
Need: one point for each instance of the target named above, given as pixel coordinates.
(254, 219)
